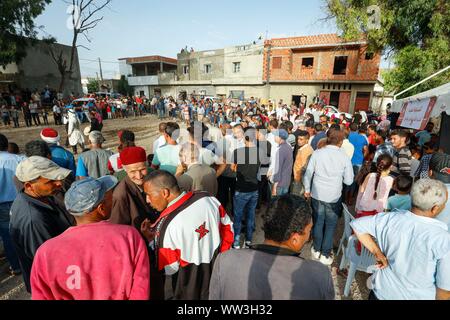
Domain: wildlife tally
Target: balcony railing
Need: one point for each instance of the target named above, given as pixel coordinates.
(143, 81)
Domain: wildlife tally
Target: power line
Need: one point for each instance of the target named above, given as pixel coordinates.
(97, 61)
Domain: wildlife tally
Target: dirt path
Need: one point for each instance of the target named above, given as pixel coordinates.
(145, 129)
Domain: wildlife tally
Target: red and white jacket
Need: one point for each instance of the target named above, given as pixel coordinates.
(189, 236)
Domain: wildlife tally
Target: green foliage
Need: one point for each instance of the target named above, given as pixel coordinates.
(17, 27)
(93, 85)
(415, 33)
(124, 88)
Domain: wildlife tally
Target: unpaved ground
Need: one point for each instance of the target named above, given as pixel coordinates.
(146, 130)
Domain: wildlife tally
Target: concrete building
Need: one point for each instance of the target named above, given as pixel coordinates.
(343, 73)
(230, 72)
(38, 70)
(243, 72)
(381, 97)
(143, 73)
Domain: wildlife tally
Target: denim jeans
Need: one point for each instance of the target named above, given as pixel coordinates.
(10, 252)
(325, 217)
(280, 191)
(244, 203)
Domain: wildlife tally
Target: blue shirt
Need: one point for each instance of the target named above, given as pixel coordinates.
(317, 138)
(63, 158)
(400, 202)
(82, 171)
(359, 142)
(424, 137)
(444, 216)
(8, 166)
(418, 251)
(328, 168)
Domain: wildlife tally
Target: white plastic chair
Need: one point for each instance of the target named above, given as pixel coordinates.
(364, 262)
(348, 217)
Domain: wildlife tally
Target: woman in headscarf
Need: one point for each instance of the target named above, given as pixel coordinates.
(74, 133)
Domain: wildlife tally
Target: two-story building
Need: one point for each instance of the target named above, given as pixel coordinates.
(343, 73)
(230, 72)
(234, 72)
(143, 73)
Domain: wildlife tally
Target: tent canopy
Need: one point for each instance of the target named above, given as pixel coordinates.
(442, 103)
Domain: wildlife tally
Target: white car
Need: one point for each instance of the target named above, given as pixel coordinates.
(330, 110)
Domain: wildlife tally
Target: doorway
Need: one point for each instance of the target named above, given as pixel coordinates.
(334, 98)
(362, 101)
(297, 100)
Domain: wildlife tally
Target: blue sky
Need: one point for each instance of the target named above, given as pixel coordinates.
(163, 27)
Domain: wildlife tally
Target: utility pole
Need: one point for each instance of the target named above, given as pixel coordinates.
(268, 71)
(101, 74)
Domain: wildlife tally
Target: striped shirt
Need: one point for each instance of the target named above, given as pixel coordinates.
(401, 164)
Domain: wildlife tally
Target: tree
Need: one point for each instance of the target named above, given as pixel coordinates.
(124, 88)
(17, 27)
(84, 17)
(93, 85)
(414, 33)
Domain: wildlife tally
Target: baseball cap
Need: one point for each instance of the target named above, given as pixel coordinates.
(84, 195)
(283, 134)
(35, 167)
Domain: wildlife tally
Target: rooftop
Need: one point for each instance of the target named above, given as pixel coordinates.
(147, 59)
(320, 40)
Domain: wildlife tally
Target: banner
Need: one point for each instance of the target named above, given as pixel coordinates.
(415, 114)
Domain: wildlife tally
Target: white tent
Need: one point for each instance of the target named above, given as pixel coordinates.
(442, 103)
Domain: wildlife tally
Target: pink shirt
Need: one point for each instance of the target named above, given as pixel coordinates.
(365, 200)
(98, 261)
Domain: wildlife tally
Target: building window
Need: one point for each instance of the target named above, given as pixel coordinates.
(243, 48)
(237, 94)
(185, 69)
(276, 64)
(340, 65)
(307, 62)
(236, 67)
(208, 68)
(369, 55)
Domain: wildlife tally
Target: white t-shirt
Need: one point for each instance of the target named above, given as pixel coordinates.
(208, 157)
(158, 143)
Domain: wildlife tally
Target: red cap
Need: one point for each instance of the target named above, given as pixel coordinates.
(132, 155)
(49, 133)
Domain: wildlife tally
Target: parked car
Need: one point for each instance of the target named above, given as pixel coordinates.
(330, 110)
(82, 107)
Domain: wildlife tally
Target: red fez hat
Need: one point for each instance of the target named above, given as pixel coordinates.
(132, 155)
(50, 135)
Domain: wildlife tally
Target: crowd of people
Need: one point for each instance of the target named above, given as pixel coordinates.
(179, 223)
(35, 108)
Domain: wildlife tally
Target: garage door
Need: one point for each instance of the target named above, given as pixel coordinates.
(362, 101)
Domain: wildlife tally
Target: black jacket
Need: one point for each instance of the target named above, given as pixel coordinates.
(32, 223)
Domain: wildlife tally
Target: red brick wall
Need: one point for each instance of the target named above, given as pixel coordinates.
(358, 69)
